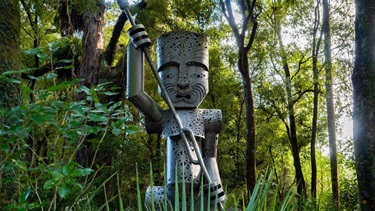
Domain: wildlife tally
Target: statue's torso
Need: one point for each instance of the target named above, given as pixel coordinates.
(200, 121)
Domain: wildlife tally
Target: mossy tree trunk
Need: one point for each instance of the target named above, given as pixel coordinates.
(9, 50)
(93, 45)
(9, 57)
(363, 79)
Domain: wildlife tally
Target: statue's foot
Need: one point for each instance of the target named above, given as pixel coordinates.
(158, 199)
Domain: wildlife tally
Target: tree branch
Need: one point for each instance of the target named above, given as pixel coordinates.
(226, 9)
(300, 95)
(27, 10)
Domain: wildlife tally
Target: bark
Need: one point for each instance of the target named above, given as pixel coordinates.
(239, 165)
(363, 79)
(330, 106)
(92, 42)
(9, 58)
(9, 50)
(250, 153)
(301, 186)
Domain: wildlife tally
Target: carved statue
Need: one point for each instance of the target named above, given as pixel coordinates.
(191, 133)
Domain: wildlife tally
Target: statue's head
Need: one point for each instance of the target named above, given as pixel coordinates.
(183, 67)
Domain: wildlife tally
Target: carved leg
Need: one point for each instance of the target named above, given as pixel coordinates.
(187, 172)
(209, 157)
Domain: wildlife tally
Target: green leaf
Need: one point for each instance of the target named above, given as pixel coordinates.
(68, 66)
(20, 164)
(57, 104)
(63, 85)
(26, 89)
(70, 181)
(82, 172)
(51, 75)
(11, 80)
(96, 118)
(34, 51)
(116, 131)
(84, 89)
(74, 124)
(131, 129)
(63, 190)
(110, 93)
(43, 57)
(51, 183)
(65, 60)
(4, 148)
(78, 113)
(67, 169)
(38, 118)
(113, 107)
(25, 194)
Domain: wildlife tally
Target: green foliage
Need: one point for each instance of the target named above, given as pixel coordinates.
(39, 140)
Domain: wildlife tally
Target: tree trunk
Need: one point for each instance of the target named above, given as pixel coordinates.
(314, 125)
(9, 56)
(9, 50)
(243, 65)
(330, 106)
(301, 186)
(315, 52)
(93, 44)
(363, 79)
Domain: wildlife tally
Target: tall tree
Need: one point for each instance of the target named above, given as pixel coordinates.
(292, 128)
(363, 79)
(9, 50)
(315, 51)
(329, 102)
(244, 41)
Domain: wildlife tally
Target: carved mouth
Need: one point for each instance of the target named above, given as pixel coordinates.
(186, 96)
(189, 98)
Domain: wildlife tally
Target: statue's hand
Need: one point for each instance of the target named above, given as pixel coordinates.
(139, 36)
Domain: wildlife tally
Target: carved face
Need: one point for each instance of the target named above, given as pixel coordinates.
(183, 67)
(186, 84)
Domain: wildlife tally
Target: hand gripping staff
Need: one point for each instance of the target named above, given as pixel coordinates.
(139, 38)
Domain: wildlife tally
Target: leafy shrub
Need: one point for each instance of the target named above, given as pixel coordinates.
(39, 141)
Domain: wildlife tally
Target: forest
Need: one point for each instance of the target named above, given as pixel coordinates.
(292, 79)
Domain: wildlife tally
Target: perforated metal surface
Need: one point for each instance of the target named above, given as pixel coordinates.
(200, 121)
(159, 194)
(182, 47)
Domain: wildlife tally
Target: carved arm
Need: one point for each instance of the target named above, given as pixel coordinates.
(135, 85)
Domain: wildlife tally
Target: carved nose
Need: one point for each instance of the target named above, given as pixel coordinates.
(183, 84)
